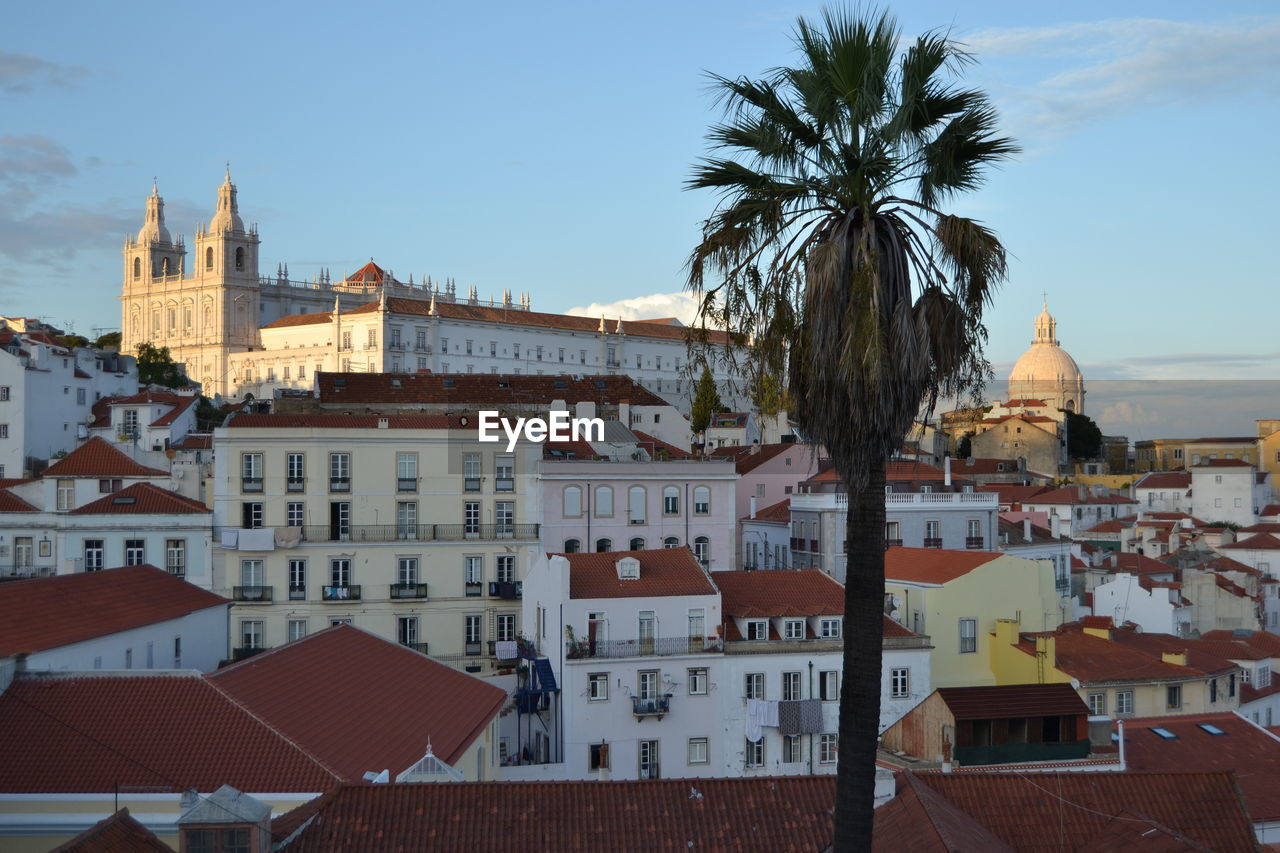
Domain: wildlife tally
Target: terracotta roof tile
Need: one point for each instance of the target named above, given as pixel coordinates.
(1071, 495)
(981, 465)
(363, 684)
(1256, 542)
(92, 604)
(747, 459)
(1165, 480)
(101, 410)
(654, 446)
(1224, 463)
(663, 572)
(1261, 641)
(933, 565)
(9, 502)
(896, 629)
(97, 458)
(805, 592)
(573, 817)
(192, 441)
(920, 820)
(1012, 700)
(1012, 494)
(1262, 527)
(779, 513)
(119, 833)
(481, 389)
(142, 499)
(244, 420)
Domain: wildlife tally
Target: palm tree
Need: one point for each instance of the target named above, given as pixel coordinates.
(830, 249)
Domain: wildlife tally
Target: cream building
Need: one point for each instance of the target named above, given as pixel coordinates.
(405, 526)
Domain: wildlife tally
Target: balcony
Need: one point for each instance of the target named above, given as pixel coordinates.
(260, 594)
(295, 484)
(339, 484)
(471, 484)
(504, 484)
(406, 484)
(408, 590)
(474, 589)
(648, 647)
(656, 706)
(340, 593)
(250, 484)
(471, 649)
(931, 542)
(893, 543)
(420, 532)
(417, 647)
(241, 652)
(493, 652)
(507, 591)
(297, 592)
(974, 543)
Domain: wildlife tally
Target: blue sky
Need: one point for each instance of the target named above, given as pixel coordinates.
(543, 147)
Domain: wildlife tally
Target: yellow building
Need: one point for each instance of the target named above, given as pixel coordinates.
(957, 597)
(1167, 454)
(1119, 672)
(1269, 448)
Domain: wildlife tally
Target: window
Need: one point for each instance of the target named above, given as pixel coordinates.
(406, 472)
(340, 573)
(473, 573)
(506, 568)
(251, 633)
(701, 500)
(827, 749)
(506, 627)
(175, 557)
(755, 753)
(471, 472)
(298, 580)
(604, 501)
(636, 504)
(339, 472)
(294, 513)
(830, 628)
(471, 518)
(698, 750)
(471, 633)
(793, 629)
(250, 472)
(94, 555)
(572, 501)
(698, 681)
(572, 546)
(670, 500)
(900, 682)
(829, 685)
(1173, 696)
(372, 339)
(754, 685)
(251, 515)
(968, 635)
(791, 751)
(4, 393)
(504, 515)
(407, 630)
(604, 545)
(505, 473)
(790, 686)
(598, 687)
(1213, 690)
(671, 542)
(636, 544)
(702, 550)
(135, 552)
(107, 487)
(598, 756)
(406, 519)
(177, 653)
(757, 629)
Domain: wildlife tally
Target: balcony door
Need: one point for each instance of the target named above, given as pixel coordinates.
(647, 632)
(649, 759)
(697, 630)
(339, 521)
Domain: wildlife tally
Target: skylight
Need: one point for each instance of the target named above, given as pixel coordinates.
(1212, 729)
(1164, 733)
(125, 500)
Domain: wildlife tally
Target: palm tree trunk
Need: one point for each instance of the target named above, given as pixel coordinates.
(860, 689)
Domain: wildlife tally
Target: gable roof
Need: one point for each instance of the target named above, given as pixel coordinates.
(178, 403)
(92, 604)
(1165, 480)
(933, 565)
(119, 833)
(656, 446)
(97, 458)
(784, 592)
(484, 389)
(9, 502)
(663, 572)
(779, 513)
(1071, 495)
(1256, 542)
(747, 459)
(142, 499)
(750, 815)
(1012, 700)
(364, 684)
(920, 820)
(249, 420)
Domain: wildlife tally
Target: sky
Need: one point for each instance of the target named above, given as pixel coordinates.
(544, 147)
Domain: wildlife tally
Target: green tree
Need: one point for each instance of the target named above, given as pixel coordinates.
(156, 367)
(965, 448)
(706, 401)
(110, 339)
(769, 395)
(1084, 439)
(72, 341)
(831, 249)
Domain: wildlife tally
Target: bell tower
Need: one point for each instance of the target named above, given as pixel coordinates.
(225, 250)
(153, 254)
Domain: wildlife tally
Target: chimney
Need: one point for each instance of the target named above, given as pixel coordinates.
(946, 472)
(1175, 658)
(1120, 728)
(1082, 492)
(753, 506)
(1026, 528)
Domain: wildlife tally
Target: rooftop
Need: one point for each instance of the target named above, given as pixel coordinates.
(748, 458)
(805, 592)
(142, 499)
(779, 513)
(933, 565)
(482, 389)
(119, 833)
(245, 420)
(1013, 700)
(663, 572)
(97, 458)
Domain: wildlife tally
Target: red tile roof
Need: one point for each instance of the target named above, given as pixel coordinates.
(1031, 419)
(1012, 700)
(9, 502)
(747, 459)
(192, 441)
(1224, 463)
(1262, 527)
(920, 820)
(97, 458)
(1071, 495)
(900, 471)
(92, 604)
(753, 815)
(118, 833)
(779, 513)
(245, 420)
(482, 389)
(1095, 659)
(1165, 480)
(1249, 750)
(370, 273)
(97, 734)
(1052, 812)
(1262, 641)
(142, 499)
(728, 420)
(1011, 494)
(983, 465)
(178, 403)
(1256, 542)
(1138, 564)
(663, 572)
(933, 565)
(896, 629)
(803, 592)
(364, 685)
(656, 446)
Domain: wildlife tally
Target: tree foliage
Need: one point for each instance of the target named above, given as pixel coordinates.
(965, 448)
(706, 401)
(157, 367)
(1084, 439)
(110, 339)
(73, 341)
(832, 249)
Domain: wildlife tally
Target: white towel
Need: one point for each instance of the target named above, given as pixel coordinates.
(230, 535)
(754, 731)
(259, 539)
(288, 537)
(505, 649)
(769, 713)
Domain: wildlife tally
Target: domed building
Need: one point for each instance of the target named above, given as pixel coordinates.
(1046, 372)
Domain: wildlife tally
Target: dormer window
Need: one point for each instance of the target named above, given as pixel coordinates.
(830, 628)
(793, 629)
(628, 569)
(757, 629)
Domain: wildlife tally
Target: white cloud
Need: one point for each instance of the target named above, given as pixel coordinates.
(1106, 67)
(1124, 412)
(682, 306)
(21, 73)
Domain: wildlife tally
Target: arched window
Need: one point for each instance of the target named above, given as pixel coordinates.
(208, 258)
(604, 501)
(670, 500)
(637, 544)
(702, 550)
(701, 500)
(137, 267)
(671, 542)
(572, 546)
(572, 501)
(239, 258)
(635, 504)
(603, 545)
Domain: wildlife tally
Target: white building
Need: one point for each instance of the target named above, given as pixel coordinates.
(47, 392)
(1228, 490)
(1156, 606)
(1164, 491)
(1079, 507)
(129, 618)
(149, 422)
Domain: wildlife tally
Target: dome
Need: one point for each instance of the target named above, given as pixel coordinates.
(153, 229)
(228, 216)
(1046, 371)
